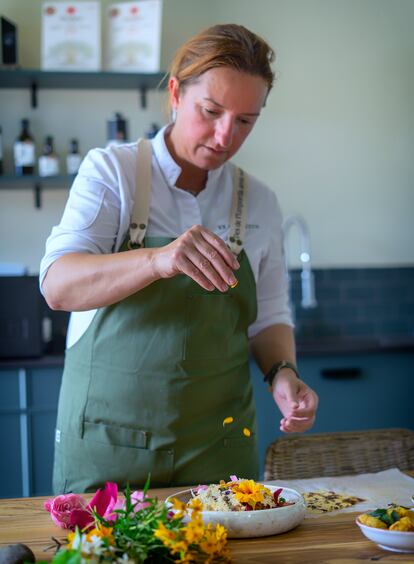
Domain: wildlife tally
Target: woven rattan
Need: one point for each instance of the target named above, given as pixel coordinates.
(339, 454)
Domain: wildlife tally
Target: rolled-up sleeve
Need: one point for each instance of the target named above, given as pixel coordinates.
(272, 286)
(90, 221)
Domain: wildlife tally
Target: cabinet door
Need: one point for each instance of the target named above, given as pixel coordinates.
(43, 387)
(10, 436)
(370, 391)
(267, 414)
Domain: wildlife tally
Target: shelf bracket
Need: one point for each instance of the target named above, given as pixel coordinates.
(33, 94)
(38, 195)
(143, 92)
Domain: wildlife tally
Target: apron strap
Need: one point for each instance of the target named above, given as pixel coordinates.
(140, 212)
(238, 214)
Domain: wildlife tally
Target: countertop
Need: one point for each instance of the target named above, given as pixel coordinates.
(332, 538)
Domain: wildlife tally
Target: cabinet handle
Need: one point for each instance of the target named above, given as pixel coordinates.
(351, 372)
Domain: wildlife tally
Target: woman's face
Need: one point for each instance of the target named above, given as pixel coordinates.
(215, 115)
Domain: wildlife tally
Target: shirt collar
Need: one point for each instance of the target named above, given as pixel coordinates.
(170, 168)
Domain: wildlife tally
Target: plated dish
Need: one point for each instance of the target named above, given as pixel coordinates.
(391, 528)
(259, 522)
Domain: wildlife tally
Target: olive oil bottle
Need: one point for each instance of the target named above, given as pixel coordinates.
(24, 151)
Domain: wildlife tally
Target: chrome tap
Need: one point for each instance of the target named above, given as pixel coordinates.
(307, 278)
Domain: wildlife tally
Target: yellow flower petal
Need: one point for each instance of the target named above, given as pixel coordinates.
(234, 285)
(228, 420)
(246, 432)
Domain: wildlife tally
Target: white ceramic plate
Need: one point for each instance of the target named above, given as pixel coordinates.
(244, 524)
(397, 541)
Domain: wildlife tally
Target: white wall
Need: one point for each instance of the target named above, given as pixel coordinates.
(335, 141)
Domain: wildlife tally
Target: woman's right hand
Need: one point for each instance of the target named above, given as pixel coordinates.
(200, 254)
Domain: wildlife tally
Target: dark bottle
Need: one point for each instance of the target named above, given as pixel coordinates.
(24, 151)
(73, 158)
(49, 161)
(1, 151)
(117, 130)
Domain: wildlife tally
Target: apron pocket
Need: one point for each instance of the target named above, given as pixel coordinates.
(211, 322)
(116, 435)
(85, 464)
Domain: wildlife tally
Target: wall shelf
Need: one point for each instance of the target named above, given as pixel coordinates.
(37, 79)
(11, 182)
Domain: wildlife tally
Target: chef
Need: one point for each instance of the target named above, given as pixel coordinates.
(170, 259)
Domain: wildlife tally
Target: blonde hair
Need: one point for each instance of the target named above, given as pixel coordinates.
(223, 45)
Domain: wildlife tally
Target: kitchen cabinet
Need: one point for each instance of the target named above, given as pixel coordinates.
(28, 407)
(356, 391)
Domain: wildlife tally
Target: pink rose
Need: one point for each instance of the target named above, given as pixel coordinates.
(62, 507)
(70, 511)
(103, 503)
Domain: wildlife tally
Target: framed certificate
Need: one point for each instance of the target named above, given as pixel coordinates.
(71, 36)
(133, 36)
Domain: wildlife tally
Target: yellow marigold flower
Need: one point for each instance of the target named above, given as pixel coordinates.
(166, 536)
(101, 532)
(179, 547)
(221, 533)
(209, 542)
(193, 532)
(179, 507)
(249, 492)
(70, 538)
(195, 504)
(246, 432)
(227, 421)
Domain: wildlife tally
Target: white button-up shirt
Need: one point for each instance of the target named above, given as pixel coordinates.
(98, 213)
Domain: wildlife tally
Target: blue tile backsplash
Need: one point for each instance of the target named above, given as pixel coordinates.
(356, 302)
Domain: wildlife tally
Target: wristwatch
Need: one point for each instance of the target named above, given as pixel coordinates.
(270, 376)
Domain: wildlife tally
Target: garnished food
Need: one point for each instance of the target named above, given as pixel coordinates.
(393, 518)
(325, 501)
(238, 495)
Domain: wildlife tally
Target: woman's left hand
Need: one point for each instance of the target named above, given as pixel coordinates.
(296, 400)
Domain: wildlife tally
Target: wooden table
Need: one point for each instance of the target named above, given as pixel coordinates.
(330, 539)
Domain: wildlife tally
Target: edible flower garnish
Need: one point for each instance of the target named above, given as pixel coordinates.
(139, 529)
(249, 492)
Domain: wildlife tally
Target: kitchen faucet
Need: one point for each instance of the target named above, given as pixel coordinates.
(307, 278)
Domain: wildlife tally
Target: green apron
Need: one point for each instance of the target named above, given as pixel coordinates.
(147, 387)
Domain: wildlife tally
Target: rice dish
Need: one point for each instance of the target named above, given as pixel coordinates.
(237, 495)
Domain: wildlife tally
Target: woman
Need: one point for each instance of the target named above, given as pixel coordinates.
(171, 259)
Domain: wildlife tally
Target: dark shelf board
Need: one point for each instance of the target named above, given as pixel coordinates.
(10, 182)
(26, 78)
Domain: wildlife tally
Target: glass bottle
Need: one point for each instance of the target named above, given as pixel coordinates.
(73, 158)
(24, 151)
(49, 161)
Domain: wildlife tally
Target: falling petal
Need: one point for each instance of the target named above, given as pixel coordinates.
(228, 420)
(246, 432)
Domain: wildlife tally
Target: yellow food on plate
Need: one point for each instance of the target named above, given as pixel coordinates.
(403, 524)
(393, 518)
(367, 519)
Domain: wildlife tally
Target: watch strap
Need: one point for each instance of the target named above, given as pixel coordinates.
(270, 376)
